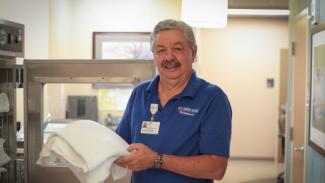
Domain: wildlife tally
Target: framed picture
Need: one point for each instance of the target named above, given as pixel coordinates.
(122, 45)
(317, 102)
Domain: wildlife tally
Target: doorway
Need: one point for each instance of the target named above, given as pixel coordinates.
(299, 93)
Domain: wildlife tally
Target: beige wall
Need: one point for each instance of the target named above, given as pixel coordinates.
(34, 15)
(239, 59)
(72, 22)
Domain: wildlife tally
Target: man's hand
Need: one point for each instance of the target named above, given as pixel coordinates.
(141, 157)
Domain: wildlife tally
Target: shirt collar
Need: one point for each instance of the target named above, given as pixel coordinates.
(153, 85)
(190, 90)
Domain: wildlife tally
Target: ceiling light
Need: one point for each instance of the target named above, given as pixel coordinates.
(257, 12)
(205, 13)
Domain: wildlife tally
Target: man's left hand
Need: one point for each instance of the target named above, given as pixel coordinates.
(141, 157)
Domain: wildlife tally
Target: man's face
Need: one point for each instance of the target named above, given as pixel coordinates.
(173, 55)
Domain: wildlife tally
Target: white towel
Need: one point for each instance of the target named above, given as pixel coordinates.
(4, 103)
(88, 149)
(4, 158)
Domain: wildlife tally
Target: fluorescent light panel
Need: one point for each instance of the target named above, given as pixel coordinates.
(258, 12)
(205, 13)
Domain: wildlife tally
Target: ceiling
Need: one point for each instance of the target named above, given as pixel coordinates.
(258, 4)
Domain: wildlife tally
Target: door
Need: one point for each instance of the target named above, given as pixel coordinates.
(283, 90)
(299, 99)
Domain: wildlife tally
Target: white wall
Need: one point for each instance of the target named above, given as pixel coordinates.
(34, 15)
(239, 59)
(72, 22)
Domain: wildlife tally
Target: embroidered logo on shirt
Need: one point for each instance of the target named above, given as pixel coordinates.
(187, 111)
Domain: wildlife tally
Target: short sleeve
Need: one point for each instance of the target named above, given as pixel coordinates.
(123, 129)
(215, 129)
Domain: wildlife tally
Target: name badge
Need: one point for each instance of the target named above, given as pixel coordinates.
(150, 127)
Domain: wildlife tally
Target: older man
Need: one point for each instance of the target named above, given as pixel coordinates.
(178, 125)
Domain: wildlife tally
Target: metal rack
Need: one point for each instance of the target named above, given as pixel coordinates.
(11, 46)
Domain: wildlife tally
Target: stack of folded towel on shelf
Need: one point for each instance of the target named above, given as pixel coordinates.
(4, 103)
(4, 158)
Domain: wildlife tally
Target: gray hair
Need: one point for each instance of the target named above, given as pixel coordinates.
(171, 24)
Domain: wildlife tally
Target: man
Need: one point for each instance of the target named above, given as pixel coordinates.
(178, 125)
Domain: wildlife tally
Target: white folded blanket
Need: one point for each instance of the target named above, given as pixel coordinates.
(4, 103)
(4, 158)
(88, 149)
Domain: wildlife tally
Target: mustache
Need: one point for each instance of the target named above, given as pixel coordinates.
(170, 63)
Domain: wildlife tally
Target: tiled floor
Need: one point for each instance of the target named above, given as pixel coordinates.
(252, 171)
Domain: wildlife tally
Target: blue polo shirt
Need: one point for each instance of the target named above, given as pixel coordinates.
(197, 121)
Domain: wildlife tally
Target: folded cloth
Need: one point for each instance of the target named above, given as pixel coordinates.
(4, 158)
(88, 149)
(4, 103)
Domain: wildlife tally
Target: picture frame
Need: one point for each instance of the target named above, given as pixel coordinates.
(317, 102)
(122, 45)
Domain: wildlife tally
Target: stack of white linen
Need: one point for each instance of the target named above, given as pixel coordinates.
(88, 149)
(4, 102)
(4, 158)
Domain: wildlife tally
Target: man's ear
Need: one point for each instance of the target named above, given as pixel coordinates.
(194, 52)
